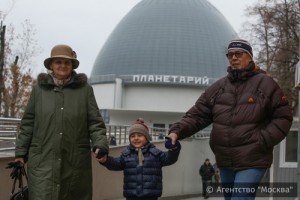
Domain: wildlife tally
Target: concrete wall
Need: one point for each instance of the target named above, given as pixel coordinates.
(178, 179)
(161, 99)
(105, 95)
(150, 118)
(146, 97)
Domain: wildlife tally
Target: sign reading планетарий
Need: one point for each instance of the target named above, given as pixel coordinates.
(169, 79)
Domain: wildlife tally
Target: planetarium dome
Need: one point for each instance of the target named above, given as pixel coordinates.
(166, 37)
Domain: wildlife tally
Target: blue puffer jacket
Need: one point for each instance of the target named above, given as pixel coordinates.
(146, 180)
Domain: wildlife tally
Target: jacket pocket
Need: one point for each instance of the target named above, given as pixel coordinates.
(35, 155)
(83, 156)
(262, 143)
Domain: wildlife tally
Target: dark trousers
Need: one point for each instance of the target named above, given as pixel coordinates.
(205, 184)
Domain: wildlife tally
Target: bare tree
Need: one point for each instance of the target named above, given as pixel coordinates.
(17, 90)
(274, 34)
(19, 49)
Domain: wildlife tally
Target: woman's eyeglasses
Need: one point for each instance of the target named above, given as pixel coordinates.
(237, 54)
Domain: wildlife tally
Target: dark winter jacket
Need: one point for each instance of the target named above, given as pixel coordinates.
(206, 172)
(55, 136)
(146, 180)
(249, 115)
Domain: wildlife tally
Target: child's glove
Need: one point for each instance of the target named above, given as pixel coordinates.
(169, 145)
(101, 153)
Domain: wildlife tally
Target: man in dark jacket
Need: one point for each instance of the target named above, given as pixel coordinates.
(206, 171)
(249, 115)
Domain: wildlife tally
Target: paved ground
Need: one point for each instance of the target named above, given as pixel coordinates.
(196, 197)
(200, 198)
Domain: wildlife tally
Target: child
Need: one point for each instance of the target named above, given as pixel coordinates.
(142, 164)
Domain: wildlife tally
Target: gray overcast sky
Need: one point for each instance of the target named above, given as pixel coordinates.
(85, 25)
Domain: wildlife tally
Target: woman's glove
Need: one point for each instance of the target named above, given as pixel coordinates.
(17, 169)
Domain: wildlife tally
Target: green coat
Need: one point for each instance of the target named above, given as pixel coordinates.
(57, 130)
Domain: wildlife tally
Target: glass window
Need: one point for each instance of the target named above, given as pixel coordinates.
(291, 147)
(159, 125)
(288, 150)
(159, 130)
(105, 116)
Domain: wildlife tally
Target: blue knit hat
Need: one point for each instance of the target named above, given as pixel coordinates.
(241, 44)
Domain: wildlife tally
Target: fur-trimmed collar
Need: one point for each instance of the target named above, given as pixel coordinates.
(77, 80)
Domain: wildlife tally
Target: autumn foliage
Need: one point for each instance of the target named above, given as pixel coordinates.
(273, 28)
(17, 51)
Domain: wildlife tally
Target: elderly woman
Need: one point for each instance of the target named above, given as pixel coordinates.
(60, 122)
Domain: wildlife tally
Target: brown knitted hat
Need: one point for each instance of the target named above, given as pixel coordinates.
(140, 127)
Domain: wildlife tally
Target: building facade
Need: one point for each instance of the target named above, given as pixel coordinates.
(159, 59)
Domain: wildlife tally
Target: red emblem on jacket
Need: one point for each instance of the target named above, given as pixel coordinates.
(251, 100)
(283, 98)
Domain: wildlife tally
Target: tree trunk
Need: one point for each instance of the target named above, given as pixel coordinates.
(2, 48)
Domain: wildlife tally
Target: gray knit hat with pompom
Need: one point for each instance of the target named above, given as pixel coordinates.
(140, 127)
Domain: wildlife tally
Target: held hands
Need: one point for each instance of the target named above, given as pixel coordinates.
(171, 142)
(101, 155)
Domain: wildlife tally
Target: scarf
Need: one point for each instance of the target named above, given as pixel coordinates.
(58, 82)
(140, 156)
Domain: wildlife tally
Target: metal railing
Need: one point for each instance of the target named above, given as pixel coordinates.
(9, 128)
(119, 134)
(116, 134)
